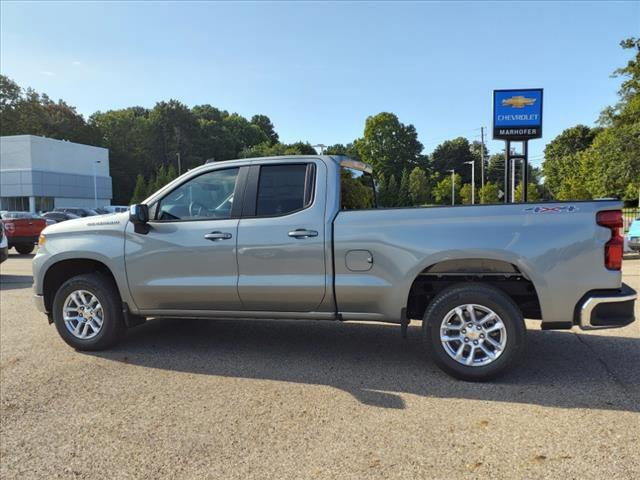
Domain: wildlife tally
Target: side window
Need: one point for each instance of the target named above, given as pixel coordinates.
(284, 189)
(208, 196)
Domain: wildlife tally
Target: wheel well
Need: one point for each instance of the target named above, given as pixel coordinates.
(503, 275)
(62, 271)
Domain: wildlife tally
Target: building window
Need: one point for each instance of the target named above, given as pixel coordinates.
(44, 204)
(16, 204)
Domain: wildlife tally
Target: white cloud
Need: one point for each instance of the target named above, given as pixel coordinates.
(76, 62)
(47, 73)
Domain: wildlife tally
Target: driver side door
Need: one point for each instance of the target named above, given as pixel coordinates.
(187, 259)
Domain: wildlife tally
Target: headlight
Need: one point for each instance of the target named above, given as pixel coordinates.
(41, 240)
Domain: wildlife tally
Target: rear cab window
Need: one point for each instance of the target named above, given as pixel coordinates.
(283, 189)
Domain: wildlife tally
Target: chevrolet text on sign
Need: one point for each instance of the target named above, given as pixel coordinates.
(517, 114)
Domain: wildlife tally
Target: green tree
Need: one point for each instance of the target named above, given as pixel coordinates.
(139, 191)
(391, 199)
(490, 193)
(442, 190)
(171, 173)
(126, 134)
(404, 197)
(348, 150)
(533, 194)
(388, 145)
(264, 123)
(26, 112)
(613, 161)
(419, 187)
(266, 150)
(452, 155)
(466, 194)
(560, 159)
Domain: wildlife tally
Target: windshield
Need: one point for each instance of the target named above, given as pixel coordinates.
(12, 215)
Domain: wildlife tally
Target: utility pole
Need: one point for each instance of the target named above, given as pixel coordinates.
(473, 180)
(453, 186)
(176, 131)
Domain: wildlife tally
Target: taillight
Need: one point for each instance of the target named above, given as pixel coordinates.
(612, 219)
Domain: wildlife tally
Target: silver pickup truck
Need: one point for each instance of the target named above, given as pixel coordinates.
(301, 238)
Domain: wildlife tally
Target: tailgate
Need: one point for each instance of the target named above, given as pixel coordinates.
(25, 227)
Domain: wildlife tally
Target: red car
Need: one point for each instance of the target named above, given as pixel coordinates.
(22, 230)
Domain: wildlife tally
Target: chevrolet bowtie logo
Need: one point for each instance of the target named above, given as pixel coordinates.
(518, 101)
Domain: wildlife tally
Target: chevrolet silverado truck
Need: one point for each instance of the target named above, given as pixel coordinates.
(301, 238)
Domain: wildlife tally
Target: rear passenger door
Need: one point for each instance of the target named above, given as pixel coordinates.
(281, 238)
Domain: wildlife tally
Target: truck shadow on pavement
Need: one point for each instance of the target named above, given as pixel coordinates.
(12, 282)
(374, 364)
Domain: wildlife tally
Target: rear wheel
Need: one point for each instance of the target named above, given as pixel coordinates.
(24, 248)
(87, 312)
(474, 332)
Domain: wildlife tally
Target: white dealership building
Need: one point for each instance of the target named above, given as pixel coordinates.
(38, 174)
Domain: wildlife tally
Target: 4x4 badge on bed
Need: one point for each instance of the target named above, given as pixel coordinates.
(560, 209)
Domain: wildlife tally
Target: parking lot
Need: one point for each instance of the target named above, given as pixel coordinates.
(296, 399)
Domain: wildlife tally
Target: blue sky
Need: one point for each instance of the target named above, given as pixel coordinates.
(319, 69)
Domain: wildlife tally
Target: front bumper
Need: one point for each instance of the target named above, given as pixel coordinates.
(38, 300)
(607, 309)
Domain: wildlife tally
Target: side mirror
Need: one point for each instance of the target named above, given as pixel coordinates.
(139, 214)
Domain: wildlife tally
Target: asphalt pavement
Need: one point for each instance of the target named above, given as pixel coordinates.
(247, 399)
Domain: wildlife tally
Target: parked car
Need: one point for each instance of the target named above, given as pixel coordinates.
(79, 211)
(4, 244)
(57, 217)
(633, 236)
(22, 230)
(300, 238)
(115, 208)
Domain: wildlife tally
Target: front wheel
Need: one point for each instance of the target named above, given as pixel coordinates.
(24, 248)
(87, 312)
(473, 331)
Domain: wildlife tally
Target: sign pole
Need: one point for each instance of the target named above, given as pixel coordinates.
(525, 171)
(507, 163)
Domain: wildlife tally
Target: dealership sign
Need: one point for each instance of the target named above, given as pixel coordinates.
(517, 114)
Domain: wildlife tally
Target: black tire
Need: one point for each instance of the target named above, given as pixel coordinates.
(24, 248)
(486, 296)
(113, 327)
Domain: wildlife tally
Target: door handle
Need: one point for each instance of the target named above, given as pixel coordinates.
(213, 236)
(302, 233)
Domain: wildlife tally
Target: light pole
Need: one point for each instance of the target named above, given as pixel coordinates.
(321, 147)
(179, 164)
(473, 180)
(95, 184)
(453, 186)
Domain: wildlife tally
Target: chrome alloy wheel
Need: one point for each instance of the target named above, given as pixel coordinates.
(83, 314)
(473, 335)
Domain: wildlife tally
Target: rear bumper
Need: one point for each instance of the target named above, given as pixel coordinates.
(607, 309)
(31, 240)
